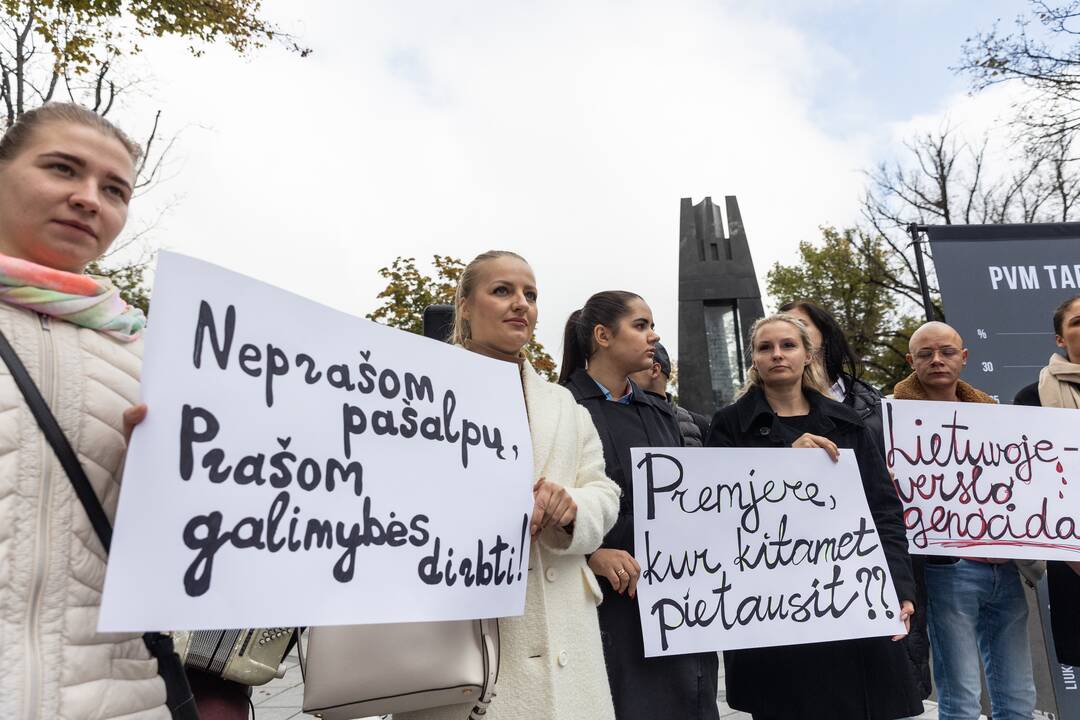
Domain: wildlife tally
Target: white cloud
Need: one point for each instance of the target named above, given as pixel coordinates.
(973, 116)
(565, 131)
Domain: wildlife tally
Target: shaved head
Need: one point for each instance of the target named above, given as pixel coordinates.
(939, 331)
(936, 353)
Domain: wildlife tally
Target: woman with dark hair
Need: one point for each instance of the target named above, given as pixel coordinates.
(784, 405)
(606, 341)
(1059, 386)
(838, 365)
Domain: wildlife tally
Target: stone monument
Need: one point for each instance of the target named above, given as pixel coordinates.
(719, 300)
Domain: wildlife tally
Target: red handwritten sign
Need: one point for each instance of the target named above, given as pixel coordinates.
(986, 480)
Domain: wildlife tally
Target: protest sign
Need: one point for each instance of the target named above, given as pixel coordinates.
(300, 466)
(744, 548)
(982, 480)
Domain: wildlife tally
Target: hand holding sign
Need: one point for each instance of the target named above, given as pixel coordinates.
(907, 609)
(132, 417)
(809, 440)
(618, 567)
(552, 506)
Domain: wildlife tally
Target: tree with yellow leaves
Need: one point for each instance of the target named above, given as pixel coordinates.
(408, 291)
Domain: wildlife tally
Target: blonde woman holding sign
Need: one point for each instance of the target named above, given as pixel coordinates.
(66, 178)
(785, 404)
(552, 665)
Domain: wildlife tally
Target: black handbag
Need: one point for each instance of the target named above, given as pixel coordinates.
(179, 698)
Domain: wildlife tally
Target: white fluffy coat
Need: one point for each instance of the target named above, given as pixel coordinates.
(552, 665)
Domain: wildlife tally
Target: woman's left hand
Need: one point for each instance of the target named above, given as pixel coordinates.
(132, 417)
(907, 609)
(809, 440)
(552, 506)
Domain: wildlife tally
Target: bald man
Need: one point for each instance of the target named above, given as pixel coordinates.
(937, 354)
(976, 607)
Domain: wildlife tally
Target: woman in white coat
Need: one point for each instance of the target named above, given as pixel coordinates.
(552, 663)
(66, 177)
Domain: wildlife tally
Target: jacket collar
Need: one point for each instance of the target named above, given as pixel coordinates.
(911, 389)
(753, 409)
(585, 388)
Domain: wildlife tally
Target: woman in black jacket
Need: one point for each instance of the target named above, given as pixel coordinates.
(604, 342)
(835, 358)
(1059, 386)
(784, 405)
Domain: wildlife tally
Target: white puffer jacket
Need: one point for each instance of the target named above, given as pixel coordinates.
(53, 663)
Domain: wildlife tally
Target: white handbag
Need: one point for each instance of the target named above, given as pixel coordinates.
(355, 671)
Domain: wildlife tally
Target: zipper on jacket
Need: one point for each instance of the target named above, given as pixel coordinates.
(41, 549)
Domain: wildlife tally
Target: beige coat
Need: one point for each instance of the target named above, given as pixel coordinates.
(54, 663)
(552, 665)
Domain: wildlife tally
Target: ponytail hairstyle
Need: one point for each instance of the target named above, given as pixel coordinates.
(604, 308)
(836, 354)
(811, 376)
(465, 287)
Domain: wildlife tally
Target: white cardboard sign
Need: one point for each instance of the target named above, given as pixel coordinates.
(300, 466)
(743, 548)
(982, 480)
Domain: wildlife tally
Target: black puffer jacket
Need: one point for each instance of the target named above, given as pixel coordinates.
(692, 426)
(866, 402)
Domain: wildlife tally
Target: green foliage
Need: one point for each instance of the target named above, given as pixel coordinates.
(892, 365)
(129, 279)
(82, 34)
(847, 273)
(541, 361)
(76, 49)
(408, 291)
(71, 48)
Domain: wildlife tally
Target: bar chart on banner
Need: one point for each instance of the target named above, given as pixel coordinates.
(1010, 353)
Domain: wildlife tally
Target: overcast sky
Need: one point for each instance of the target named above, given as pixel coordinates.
(566, 131)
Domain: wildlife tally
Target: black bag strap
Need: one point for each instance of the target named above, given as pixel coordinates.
(59, 442)
(179, 698)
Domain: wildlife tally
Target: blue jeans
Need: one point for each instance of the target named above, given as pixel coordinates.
(979, 610)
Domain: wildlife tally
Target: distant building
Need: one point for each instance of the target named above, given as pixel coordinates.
(719, 300)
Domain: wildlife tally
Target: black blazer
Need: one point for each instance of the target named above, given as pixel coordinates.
(867, 678)
(672, 686)
(866, 401)
(653, 415)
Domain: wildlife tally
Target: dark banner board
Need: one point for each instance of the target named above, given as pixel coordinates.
(999, 287)
(1062, 677)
